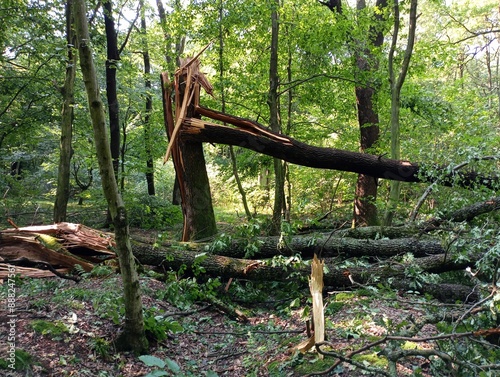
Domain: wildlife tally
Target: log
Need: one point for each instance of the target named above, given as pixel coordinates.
(252, 135)
(334, 277)
(324, 245)
(59, 245)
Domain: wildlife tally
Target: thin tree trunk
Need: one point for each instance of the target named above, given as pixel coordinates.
(396, 85)
(132, 337)
(274, 120)
(173, 60)
(113, 56)
(66, 151)
(223, 107)
(148, 139)
(365, 209)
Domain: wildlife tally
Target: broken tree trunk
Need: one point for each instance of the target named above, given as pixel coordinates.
(335, 277)
(61, 246)
(188, 157)
(252, 135)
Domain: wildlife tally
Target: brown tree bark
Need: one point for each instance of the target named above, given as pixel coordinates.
(365, 209)
(190, 167)
(254, 136)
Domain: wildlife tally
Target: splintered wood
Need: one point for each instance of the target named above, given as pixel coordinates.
(190, 72)
(316, 288)
(61, 246)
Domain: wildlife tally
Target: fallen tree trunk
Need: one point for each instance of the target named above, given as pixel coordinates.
(252, 135)
(324, 245)
(334, 278)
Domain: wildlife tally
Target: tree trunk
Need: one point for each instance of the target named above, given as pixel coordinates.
(274, 121)
(365, 209)
(334, 278)
(148, 139)
(113, 56)
(133, 336)
(66, 151)
(237, 179)
(396, 85)
(324, 245)
(189, 163)
(254, 136)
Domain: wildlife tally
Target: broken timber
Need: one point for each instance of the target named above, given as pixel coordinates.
(59, 247)
(252, 135)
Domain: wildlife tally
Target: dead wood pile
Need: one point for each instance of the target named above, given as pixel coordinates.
(41, 251)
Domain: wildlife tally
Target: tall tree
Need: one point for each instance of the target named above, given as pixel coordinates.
(133, 336)
(223, 108)
(365, 209)
(148, 139)
(66, 151)
(113, 56)
(396, 85)
(274, 120)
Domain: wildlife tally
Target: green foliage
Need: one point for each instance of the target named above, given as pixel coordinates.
(101, 347)
(55, 329)
(157, 326)
(23, 362)
(150, 212)
(169, 367)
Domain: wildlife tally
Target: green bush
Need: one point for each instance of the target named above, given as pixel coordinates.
(150, 212)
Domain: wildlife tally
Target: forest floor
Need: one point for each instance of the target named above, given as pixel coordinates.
(65, 328)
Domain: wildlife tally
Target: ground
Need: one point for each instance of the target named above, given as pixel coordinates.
(87, 318)
(67, 328)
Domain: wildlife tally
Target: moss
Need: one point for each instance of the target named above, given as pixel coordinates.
(313, 365)
(373, 359)
(344, 296)
(54, 329)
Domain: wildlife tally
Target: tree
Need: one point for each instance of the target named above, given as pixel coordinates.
(274, 120)
(396, 85)
(148, 139)
(66, 151)
(366, 65)
(113, 56)
(133, 336)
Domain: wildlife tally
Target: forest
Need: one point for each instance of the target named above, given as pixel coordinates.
(237, 188)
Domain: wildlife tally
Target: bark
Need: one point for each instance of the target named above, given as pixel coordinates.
(274, 121)
(334, 278)
(190, 167)
(365, 209)
(133, 336)
(148, 139)
(396, 85)
(324, 245)
(113, 56)
(252, 135)
(66, 151)
(467, 213)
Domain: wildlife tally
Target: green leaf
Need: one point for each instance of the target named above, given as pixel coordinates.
(172, 365)
(152, 361)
